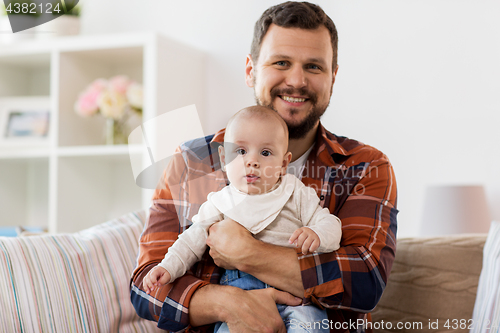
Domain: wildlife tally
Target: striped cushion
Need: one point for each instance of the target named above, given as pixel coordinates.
(72, 282)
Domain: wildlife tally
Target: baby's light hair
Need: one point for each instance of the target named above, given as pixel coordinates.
(264, 113)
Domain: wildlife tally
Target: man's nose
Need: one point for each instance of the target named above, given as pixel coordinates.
(296, 77)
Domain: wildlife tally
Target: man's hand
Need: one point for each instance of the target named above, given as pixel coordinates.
(243, 310)
(156, 277)
(306, 239)
(229, 243)
(258, 312)
(233, 247)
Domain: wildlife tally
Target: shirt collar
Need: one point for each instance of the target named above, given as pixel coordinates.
(326, 146)
(219, 136)
(330, 142)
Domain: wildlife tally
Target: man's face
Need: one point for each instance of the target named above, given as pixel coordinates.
(294, 75)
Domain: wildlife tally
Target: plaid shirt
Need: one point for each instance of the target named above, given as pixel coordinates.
(355, 181)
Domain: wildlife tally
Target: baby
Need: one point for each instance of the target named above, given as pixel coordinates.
(274, 206)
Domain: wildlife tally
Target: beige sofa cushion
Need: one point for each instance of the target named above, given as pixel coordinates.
(432, 280)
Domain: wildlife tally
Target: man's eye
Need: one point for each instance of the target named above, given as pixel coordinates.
(266, 153)
(241, 151)
(314, 67)
(281, 63)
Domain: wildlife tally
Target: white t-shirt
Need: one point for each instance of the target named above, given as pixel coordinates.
(297, 167)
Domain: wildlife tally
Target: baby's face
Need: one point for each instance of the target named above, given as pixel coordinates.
(255, 154)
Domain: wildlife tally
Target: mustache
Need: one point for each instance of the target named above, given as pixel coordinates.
(275, 92)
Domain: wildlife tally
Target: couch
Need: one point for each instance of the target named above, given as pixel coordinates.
(433, 282)
(80, 282)
(72, 282)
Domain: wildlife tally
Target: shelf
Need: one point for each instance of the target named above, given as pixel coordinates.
(9, 154)
(104, 150)
(24, 75)
(82, 151)
(79, 69)
(38, 60)
(92, 190)
(24, 192)
(72, 180)
(78, 43)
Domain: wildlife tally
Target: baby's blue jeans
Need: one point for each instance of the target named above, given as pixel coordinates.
(297, 319)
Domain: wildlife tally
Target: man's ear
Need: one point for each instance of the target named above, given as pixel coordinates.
(249, 71)
(286, 160)
(222, 157)
(335, 75)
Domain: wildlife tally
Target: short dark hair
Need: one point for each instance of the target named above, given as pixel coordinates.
(291, 14)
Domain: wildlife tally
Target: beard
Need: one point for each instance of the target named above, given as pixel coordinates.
(298, 130)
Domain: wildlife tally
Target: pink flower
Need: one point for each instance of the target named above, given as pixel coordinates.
(87, 103)
(112, 98)
(119, 84)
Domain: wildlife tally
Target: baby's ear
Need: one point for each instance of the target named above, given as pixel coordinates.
(222, 157)
(286, 160)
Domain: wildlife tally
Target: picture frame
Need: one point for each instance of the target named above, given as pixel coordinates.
(25, 121)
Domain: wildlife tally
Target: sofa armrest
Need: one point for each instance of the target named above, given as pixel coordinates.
(432, 279)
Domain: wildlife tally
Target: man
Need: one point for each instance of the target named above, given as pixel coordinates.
(292, 68)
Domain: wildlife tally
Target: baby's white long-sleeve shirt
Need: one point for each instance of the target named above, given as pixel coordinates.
(272, 217)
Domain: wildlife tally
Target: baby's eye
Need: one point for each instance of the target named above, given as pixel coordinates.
(241, 151)
(266, 153)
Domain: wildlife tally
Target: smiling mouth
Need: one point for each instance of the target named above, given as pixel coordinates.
(293, 99)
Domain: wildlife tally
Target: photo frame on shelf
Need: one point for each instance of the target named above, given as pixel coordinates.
(24, 121)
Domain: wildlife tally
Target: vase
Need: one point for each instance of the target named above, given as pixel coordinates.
(116, 132)
(64, 25)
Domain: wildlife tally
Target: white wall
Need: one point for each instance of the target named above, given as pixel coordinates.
(418, 79)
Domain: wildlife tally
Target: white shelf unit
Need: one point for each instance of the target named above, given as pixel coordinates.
(76, 181)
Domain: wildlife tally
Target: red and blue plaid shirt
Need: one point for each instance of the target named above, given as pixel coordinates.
(354, 181)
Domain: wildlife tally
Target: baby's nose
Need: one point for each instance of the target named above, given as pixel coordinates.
(251, 162)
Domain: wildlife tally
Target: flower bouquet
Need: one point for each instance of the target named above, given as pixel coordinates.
(117, 99)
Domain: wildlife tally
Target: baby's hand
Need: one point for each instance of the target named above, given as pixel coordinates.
(306, 239)
(155, 278)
